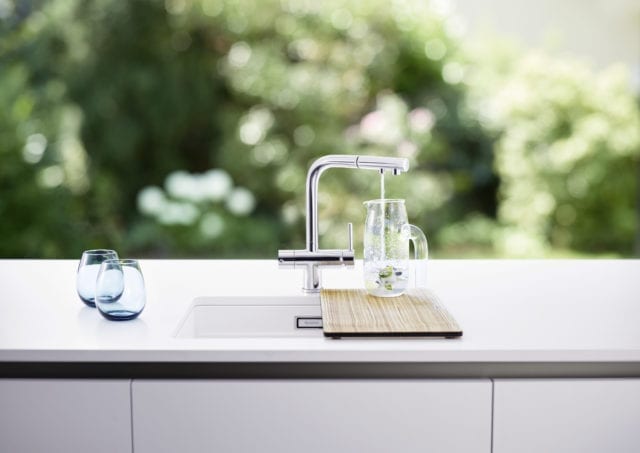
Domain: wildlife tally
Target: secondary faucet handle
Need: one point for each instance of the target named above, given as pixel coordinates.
(350, 227)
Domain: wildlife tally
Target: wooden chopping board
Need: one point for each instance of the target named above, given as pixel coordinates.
(355, 313)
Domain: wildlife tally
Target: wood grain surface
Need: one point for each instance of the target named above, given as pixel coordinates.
(353, 312)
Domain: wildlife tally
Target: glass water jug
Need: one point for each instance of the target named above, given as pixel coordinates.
(386, 248)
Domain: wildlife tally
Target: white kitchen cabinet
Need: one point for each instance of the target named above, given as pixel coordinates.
(567, 415)
(340, 416)
(65, 415)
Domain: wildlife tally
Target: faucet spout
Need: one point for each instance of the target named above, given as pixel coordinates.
(312, 256)
(397, 165)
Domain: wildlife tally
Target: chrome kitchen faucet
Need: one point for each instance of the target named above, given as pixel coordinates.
(311, 258)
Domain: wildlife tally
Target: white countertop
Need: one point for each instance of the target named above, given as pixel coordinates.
(510, 312)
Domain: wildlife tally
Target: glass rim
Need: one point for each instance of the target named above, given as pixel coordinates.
(99, 252)
(384, 200)
(121, 261)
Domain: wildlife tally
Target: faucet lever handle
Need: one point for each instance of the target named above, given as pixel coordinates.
(350, 227)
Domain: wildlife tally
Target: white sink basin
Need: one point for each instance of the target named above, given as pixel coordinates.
(260, 316)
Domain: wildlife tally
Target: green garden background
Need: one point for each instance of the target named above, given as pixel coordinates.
(184, 128)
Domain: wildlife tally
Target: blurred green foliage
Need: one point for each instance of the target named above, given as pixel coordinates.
(185, 128)
(567, 155)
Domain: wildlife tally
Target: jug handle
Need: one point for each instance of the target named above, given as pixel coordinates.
(421, 255)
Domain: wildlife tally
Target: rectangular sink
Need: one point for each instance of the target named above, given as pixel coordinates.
(259, 316)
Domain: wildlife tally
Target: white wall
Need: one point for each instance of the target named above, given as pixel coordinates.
(601, 31)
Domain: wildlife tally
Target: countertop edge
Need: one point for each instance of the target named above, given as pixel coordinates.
(318, 370)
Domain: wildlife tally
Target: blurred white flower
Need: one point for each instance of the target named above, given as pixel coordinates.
(379, 127)
(211, 225)
(385, 125)
(215, 184)
(181, 184)
(290, 213)
(372, 123)
(51, 177)
(178, 213)
(34, 148)
(239, 54)
(151, 200)
(240, 201)
(421, 120)
(254, 126)
(270, 151)
(453, 73)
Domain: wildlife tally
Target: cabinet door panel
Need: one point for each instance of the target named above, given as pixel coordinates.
(283, 416)
(64, 415)
(567, 415)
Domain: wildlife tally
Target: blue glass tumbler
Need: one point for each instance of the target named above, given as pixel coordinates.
(87, 274)
(120, 291)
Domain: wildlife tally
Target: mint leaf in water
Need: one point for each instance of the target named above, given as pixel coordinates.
(386, 272)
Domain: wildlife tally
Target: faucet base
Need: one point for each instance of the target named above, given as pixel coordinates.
(310, 262)
(311, 279)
